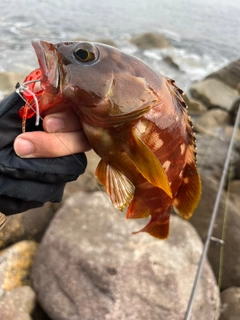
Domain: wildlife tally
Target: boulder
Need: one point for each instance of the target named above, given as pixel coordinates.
(90, 266)
(212, 121)
(195, 107)
(150, 40)
(15, 265)
(28, 225)
(229, 74)
(214, 93)
(230, 304)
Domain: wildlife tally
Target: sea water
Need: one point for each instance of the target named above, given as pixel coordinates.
(205, 34)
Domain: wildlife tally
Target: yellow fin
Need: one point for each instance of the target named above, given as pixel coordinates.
(118, 186)
(189, 192)
(157, 229)
(147, 163)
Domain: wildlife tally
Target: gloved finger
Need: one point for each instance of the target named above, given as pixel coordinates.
(50, 145)
(62, 122)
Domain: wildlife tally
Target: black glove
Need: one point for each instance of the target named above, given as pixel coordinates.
(29, 183)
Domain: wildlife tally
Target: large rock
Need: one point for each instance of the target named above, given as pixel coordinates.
(214, 93)
(229, 74)
(230, 304)
(212, 121)
(150, 40)
(29, 225)
(90, 266)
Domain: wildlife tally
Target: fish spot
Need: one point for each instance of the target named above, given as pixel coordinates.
(166, 165)
(186, 180)
(181, 174)
(182, 148)
(142, 126)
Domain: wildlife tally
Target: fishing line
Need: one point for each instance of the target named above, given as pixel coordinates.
(213, 218)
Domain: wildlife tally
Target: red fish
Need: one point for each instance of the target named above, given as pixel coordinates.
(135, 119)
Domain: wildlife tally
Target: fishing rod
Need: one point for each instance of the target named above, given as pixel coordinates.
(212, 221)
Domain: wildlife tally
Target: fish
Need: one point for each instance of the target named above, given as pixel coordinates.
(136, 121)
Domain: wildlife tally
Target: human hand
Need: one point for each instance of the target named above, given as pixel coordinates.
(63, 136)
(30, 182)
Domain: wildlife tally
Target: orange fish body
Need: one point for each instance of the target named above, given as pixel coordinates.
(135, 120)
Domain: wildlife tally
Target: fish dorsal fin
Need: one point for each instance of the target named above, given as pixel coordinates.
(189, 192)
(118, 186)
(147, 163)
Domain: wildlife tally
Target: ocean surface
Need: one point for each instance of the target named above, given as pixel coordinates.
(205, 34)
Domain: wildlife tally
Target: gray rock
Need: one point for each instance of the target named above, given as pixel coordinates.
(230, 304)
(90, 266)
(229, 74)
(15, 264)
(214, 93)
(211, 156)
(195, 107)
(212, 121)
(200, 220)
(150, 40)
(29, 225)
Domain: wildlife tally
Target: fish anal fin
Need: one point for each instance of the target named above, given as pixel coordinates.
(189, 192)
(158, 229)
(137, 209)
(147, 163)
(118, 186)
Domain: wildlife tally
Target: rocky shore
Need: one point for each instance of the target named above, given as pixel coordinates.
(79, 260)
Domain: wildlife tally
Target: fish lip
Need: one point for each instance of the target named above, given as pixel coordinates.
(48, 58)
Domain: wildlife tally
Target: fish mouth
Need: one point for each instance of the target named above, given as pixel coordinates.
(48, 59)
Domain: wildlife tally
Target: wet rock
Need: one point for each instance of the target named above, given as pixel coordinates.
(229, 74)
(170, 61)
(230, 304)
(15, 265)
(150, 40)
(17, 303)
(212, 121)
(214, 93)
(90, 266)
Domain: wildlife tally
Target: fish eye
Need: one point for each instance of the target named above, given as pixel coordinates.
(86, 52)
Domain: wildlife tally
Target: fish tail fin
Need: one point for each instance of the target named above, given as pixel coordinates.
(157, 228)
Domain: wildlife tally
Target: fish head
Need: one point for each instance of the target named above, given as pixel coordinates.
(100, 82)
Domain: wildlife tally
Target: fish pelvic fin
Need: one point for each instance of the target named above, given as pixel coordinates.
(3, 220)
(118, 186)
(158, 228)
(189, 192)
(147, 163)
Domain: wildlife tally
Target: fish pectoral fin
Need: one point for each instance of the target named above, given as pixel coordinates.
(189, 192)
(118, 186)
(147, 163)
